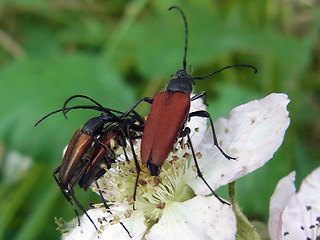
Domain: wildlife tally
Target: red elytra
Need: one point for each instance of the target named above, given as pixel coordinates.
(163, 125)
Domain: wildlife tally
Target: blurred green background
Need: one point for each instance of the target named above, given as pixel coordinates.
(119, 51)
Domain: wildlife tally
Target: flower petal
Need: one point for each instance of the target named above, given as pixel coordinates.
(309, 193)
(198, 218)
(252, 133)
(283, 193)
(303, 210)
(134, 224)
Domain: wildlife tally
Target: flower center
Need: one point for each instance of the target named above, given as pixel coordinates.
(153, 193)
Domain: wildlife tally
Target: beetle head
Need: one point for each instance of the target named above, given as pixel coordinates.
(182, 82)
(94, 126)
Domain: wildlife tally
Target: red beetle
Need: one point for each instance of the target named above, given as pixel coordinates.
(169, 113)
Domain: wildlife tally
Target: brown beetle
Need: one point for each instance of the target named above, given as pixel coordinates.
(89, 147)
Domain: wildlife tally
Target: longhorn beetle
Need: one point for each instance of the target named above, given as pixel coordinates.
(169, 114)
(90, 147)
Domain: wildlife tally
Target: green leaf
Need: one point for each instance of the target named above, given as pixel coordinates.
(34, 87)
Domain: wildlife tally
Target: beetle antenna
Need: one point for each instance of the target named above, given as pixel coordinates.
(66, 110)
(103, 109)
(184, 64)
(230, 66)
(92, 107)
(79, 96)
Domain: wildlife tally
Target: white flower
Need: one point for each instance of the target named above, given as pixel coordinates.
(15, 166)
(296, 215)
(175, 204)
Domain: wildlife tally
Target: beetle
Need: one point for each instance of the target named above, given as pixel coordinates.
(169, 113)
(90, 146)
(125, 127)
(119, 132)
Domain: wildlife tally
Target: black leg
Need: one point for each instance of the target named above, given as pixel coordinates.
(199, 95)
(138, 173)
(69, 195)
(205, 114)
(82, 208)
(145, 99)
(57, 170)
(137, 166)
(108, 208)
(102, 198)
(200, 173)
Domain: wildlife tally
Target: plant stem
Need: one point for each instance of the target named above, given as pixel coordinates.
(245, 229)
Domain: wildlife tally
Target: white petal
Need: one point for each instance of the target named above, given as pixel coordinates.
(309, 193)
(86, 230)
(296, 214)
(197, 125)
(252, 133)
(293, 219)
(283, 193)
(198, 218)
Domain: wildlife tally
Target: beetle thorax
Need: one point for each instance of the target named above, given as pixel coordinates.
(182, 82)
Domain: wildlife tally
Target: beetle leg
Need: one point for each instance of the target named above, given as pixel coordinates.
(109, 152)
(205, 114)
(199, 95)
(125, 154)
(102, 198)
(66, 195)
(136, 128)
(184, 132)
(69, 195)
(145, 99)
(200, 173)
(108, 208)
(136, 163)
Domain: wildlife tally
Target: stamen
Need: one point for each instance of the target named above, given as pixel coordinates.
(311, 231)
(154, 193)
